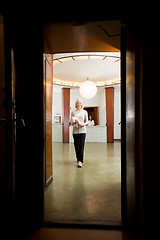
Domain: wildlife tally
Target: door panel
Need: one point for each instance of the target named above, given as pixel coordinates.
(23, 181)
(3, 130)
(123, 125)
(130, 125)
(48, 117)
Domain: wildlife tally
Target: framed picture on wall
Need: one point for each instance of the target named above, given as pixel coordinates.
(57, 118)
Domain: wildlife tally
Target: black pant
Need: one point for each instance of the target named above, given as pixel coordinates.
(79, 140)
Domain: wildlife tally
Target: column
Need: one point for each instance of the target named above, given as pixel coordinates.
(110, 114)
(66, 113)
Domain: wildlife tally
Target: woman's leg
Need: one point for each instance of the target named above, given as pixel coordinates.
(82, 137)
(77, 145)
(79, 141)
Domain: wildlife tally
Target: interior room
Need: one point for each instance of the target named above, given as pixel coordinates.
(91, 194)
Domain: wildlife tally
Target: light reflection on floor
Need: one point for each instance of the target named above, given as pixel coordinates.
(90, 194)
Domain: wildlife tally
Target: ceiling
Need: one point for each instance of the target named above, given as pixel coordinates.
(69, 37)
(84, 38)
(103, 68)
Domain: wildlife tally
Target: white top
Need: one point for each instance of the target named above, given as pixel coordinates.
(91, 123)
(82, 118)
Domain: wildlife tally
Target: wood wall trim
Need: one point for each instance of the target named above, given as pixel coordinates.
(48, 117)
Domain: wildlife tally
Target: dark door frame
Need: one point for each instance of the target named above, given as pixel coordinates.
(123, 125)
(123, 132)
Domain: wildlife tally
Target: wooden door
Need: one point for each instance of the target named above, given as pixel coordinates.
(123, 126)
(23, 131)
(128, 125)
(48, 75)
(7, 125)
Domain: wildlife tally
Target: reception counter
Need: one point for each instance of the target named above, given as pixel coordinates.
(94, 133)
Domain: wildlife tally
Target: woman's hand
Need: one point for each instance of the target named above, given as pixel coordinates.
(81, 124)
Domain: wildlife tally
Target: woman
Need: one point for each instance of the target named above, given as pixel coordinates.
(91, 122)
(79, 120)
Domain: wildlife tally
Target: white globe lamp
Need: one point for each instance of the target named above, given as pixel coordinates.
(88, 89)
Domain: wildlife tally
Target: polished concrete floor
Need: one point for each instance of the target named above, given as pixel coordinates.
(91, 194)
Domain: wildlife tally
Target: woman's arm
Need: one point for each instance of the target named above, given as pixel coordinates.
(72, 120)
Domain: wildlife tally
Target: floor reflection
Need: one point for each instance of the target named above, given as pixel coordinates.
(88, 194)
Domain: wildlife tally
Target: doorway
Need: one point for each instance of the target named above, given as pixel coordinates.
(83, 182)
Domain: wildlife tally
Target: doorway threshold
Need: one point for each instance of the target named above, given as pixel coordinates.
(116, 225)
